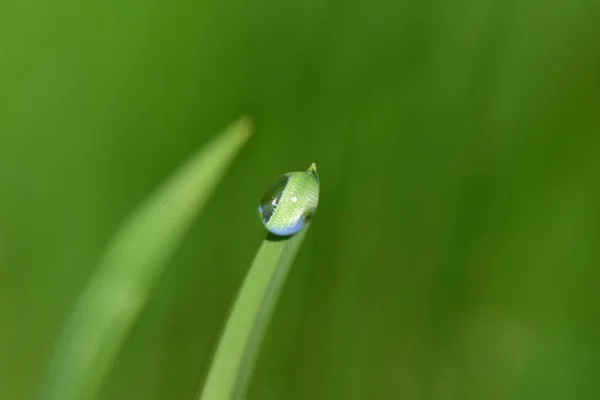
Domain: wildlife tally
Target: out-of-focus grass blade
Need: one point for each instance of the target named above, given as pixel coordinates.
(131, 265)
(236, 352)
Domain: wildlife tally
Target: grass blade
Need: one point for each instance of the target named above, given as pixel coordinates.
(133, 261)
(236, 352)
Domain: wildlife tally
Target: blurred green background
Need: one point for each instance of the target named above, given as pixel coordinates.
(456, 250)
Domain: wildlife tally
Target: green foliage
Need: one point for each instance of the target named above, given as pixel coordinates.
(235, 356)
(455, 251)
(133, 262)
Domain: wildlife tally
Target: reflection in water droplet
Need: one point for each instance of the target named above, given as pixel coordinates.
(290, 202)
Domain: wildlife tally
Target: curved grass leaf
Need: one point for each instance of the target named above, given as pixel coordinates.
(236, 352)
(133, 261)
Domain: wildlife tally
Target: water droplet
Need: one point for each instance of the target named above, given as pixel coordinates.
(290, 202)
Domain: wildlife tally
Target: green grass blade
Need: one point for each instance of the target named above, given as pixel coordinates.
(236, 352)
(133, 261)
